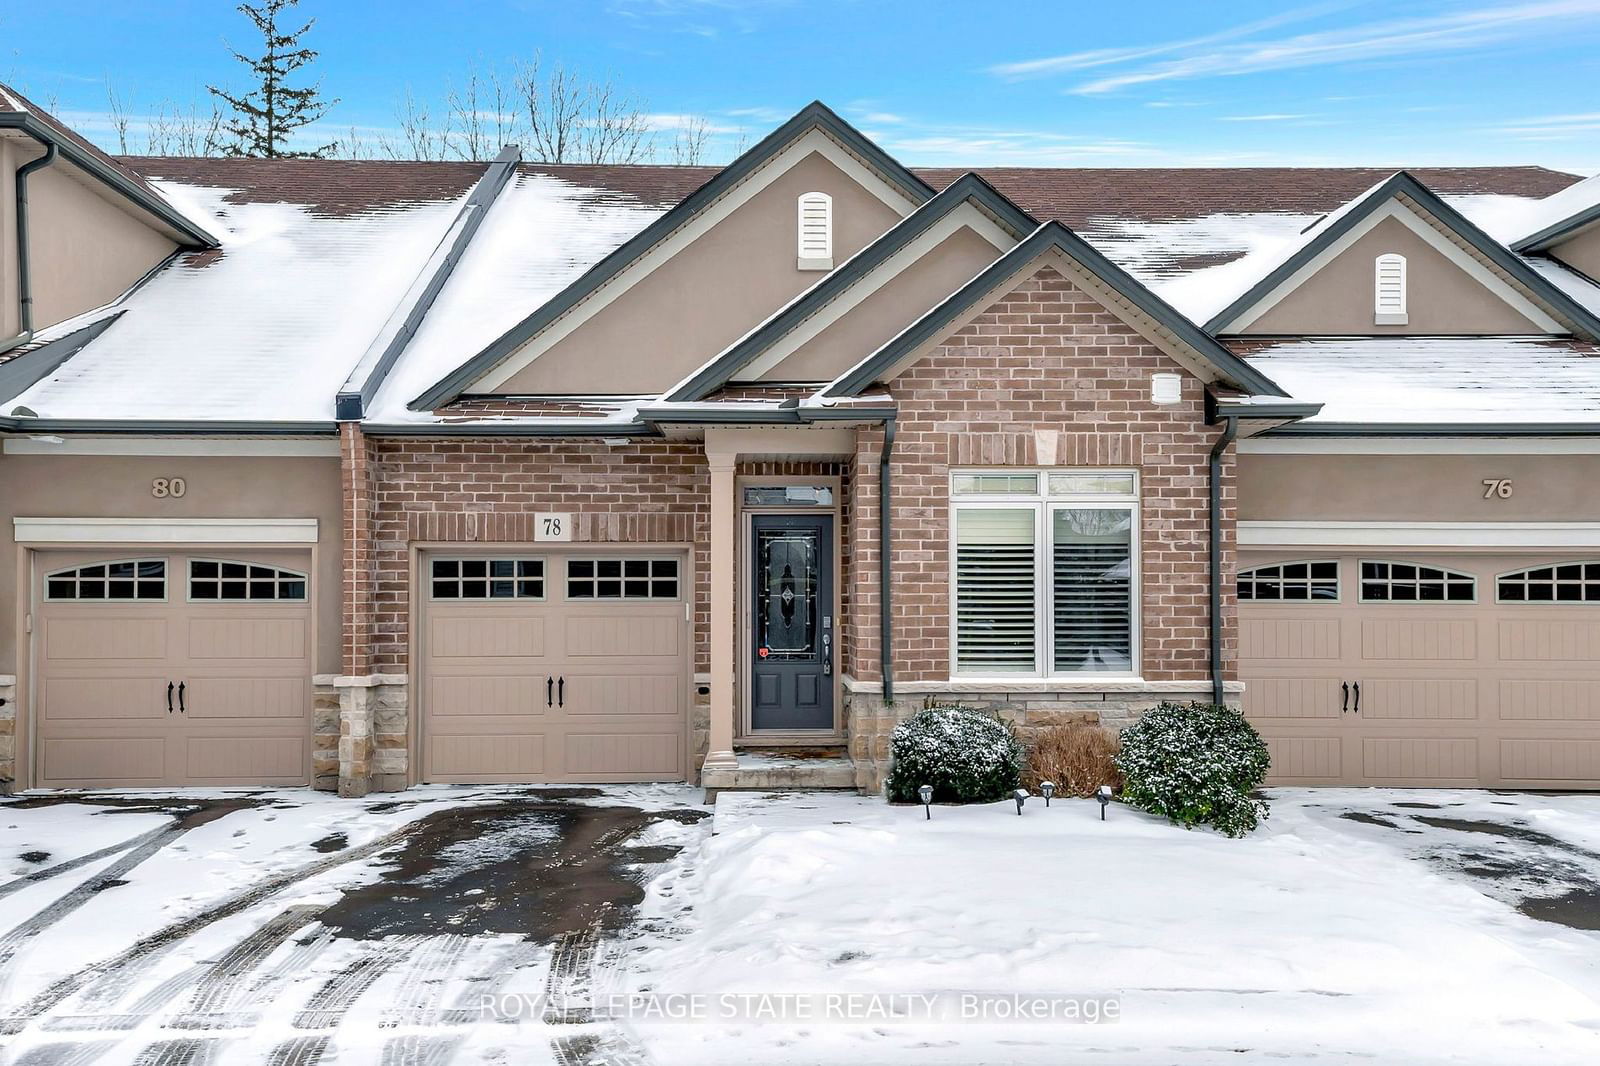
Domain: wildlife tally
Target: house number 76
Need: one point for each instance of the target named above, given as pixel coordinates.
(1497, 488)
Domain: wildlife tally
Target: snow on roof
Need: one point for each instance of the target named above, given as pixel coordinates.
(1438, 379)
(265, 328)
(1558, 207)
(1567, 280)
(541, 234)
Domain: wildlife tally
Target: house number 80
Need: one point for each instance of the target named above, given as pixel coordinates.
(168, 487)
(1497, 488)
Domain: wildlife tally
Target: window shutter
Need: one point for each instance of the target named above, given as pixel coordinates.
(995, 587)
(1390, 282)
(816, 230)
(1093, 589)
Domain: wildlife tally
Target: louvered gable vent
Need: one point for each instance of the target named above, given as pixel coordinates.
(1390, 301)
(816, 231)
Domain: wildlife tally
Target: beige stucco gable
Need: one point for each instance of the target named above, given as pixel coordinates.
(1581, 252)
(1443, 297)
(884, 312)
(704, 295)
(87, 244)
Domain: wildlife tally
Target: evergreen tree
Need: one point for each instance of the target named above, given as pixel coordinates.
(264, 119)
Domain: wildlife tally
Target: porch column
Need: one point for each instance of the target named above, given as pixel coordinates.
(719, 753)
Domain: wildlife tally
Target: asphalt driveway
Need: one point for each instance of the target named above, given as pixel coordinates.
(290, 927)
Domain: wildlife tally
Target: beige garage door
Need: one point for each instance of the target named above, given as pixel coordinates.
(554, 667)
(166, 668)
(1403, 669)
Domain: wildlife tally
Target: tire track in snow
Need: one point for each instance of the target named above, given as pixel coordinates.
(116, 970)
(330, 1003)
(417, 999)
(301, 1051)
(420, 1050)
(221, 994)
(181, 1053)
(65, 1054)
(18, 883)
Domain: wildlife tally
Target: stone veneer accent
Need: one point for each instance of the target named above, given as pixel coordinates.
(8, 733)
(871, 721)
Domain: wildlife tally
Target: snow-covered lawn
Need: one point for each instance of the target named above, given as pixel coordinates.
(1393, 936)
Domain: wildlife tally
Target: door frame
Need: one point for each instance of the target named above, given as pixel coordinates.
(416, 676)
(25, 752)
(744, 732)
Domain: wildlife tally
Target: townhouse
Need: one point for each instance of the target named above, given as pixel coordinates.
(363, 474)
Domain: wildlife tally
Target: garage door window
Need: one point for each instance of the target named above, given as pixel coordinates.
(1561, 583)
(128, 579)
(621, 578)
(223, 581)
(488, 579)
(1314, 581)
(1398, 582)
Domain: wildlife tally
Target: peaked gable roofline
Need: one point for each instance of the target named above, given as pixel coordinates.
(969, 188)
(1404, 183)
(96, 164)
(815, 115)
(1052, 236)
(1560, 231)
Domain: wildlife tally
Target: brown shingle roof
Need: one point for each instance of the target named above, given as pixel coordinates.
(1073, 195)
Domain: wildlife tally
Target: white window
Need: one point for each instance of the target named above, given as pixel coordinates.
(1316, 581)
(1383, 581)
(125, 579)
(488, 579)
(1559, 583)
(622, 578)
(1044, 573)
(224, 580)
(816, 231)
(1389, 307)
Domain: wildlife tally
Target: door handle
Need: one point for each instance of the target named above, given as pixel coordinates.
(549, 691)
(1344, 704)
(181, 686)
(1358, 697)
(561, 692)
(827, 656)
(169, 697)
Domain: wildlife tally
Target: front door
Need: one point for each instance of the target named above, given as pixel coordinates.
(792, 638)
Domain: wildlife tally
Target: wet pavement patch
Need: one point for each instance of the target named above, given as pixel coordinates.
(535, 867)
(186, 812)
(34, 856)
(331, 843)
(1368, 819)
(1577, 909)
(1518, 833)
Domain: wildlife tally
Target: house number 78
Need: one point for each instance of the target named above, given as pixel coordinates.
(1497, 488)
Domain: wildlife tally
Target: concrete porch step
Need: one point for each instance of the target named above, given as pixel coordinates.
(783, 768)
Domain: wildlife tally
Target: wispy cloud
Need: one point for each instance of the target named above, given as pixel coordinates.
(1245, 50)
(1583, 125)
(1277, 117)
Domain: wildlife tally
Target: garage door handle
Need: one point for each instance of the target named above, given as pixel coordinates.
(1344, 704)
(549, 691)
(1358, 697)
(181, 686)
(169, 697)
(561, 692)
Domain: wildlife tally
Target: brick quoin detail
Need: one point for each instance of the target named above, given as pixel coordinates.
(484, 492)
(1047, 357)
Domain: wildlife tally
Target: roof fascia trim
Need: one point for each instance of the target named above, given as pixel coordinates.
(969, 187)
(167, 427)
(529, 428)
(352, 400)
(20, 374)
(814, 115)
(1052, 236)
(1558, 232)
(154, 205)
(1437, 429)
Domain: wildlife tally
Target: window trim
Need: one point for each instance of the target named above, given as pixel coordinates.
(1546, 603)
(1338, 583)
(539, 558)
(280, 571)
(1044, 505)
(166, 581)
(1361, 594)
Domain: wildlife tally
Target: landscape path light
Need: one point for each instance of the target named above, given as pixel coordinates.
(1021, 796)
(925, 793)
(1103, 794)
(1049, 789)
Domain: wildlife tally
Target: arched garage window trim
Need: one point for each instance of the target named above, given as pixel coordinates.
(241, 581)
(1398, 581)
(113, 581)
(1293, 581)
(1571, 582)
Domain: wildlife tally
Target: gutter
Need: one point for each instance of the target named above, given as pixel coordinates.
(24, 275)
(1230, 429)
(26, 423)
(885, 584)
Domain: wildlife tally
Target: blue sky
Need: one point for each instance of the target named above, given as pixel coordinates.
(1156, 82)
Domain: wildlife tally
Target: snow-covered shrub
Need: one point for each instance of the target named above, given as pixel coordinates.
(966, 755)
(1197, 764)
(1077, 758)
